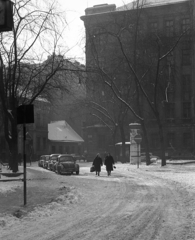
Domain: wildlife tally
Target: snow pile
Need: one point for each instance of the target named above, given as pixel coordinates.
(9, 186)
(68, 195)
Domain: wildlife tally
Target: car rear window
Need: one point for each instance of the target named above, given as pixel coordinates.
(66, 159)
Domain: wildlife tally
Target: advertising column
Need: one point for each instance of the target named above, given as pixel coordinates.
(135, 129)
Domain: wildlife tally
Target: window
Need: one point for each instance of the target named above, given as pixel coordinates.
(38, 147)
(67, 149)
(169, 28)
(187, 140)
(53, 149)
(38, 119)
(44, 143)
(170, 111)
(186, 57)
(72, 149)
(60, 149)
(186, 88)
(186, 53)
(185, 25)
(186, 111)
(101, 141)
(153, 27)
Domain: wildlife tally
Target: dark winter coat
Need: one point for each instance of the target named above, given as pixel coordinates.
(109, 161)
(97, 162)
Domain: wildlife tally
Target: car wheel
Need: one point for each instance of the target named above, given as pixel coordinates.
(77, 172)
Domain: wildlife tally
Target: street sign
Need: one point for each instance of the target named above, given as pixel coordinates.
(25, 114)
(6, 15)
(138, 139)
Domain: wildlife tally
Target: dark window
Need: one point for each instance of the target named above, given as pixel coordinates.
(60, 149)
(186, 88)
(38, 144)
(67, 149)
(186, 52)
(185, 25)
(153, 28)
(186, 57)
(169, 28)
(44, 142)
(170, 111)
(72, 149)
(101, 141)
(53, 149)
(38, 119)
(187, 140)
(186, 110)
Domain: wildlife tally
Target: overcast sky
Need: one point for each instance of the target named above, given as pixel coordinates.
(74, 35)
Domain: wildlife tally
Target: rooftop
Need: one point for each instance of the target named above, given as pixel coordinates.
(148, 3)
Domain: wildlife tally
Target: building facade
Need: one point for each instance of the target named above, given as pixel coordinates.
(133, 38)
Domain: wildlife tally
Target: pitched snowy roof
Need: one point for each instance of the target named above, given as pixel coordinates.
(61, 131)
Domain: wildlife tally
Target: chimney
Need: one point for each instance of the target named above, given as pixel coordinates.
(102, 8)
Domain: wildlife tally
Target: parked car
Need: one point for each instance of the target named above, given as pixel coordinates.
(52, 161)
(66, 164)
(153, 158)
(42, 160)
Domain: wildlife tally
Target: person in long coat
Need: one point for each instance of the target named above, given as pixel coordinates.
(97, 163)
(109, 162)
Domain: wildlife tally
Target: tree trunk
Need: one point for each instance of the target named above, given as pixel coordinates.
(12, 143)
(145, 139)
(14, 157)
(123, 144)
(162, 143)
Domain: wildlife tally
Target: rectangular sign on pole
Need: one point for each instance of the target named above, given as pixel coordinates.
(6, 15)
(25, 114)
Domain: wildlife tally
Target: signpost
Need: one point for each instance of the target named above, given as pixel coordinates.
(138, 139)
(25, 114)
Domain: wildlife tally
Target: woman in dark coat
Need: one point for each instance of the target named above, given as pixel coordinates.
(97, 163)
(109, 162)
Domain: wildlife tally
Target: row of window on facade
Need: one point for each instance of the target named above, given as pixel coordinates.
(184, 141)
(169, 27)
(65, 149)
(42, 145)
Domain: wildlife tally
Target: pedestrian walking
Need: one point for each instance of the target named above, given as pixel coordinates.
(97, 163)
(109, 163)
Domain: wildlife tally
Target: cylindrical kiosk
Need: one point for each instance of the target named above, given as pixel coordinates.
(135, 139)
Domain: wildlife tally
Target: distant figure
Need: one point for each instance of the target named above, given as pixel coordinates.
(109, 162)
(97, 163)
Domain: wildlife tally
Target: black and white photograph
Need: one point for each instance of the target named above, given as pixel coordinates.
(97, 120)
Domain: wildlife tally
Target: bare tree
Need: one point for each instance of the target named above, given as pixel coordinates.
(25, 71)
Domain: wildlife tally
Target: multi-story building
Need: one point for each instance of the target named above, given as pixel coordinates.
(133, 37)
